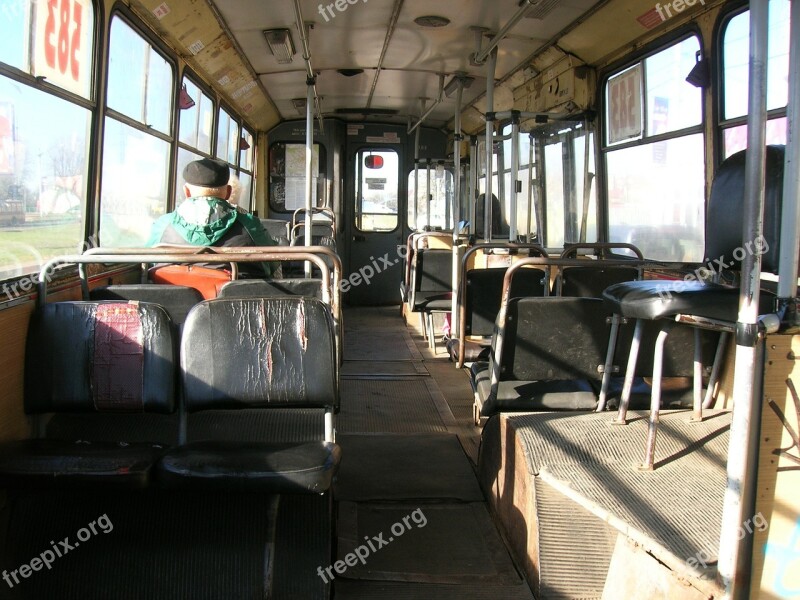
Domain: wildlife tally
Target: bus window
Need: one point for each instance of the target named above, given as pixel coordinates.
(43, 168)
(196, 119)
(135, 185)
(656, 189)
(287, 171)
(227, 137)
(437, 212)
(735, 56)
(376, 204)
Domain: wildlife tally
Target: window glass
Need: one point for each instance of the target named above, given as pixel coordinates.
(554, 192)
(735, 138)
(246, 150)
(672, 102)
(227, 138)
(656, 198)
(140, 80)
(51, 39)
(197, 119)
(376, 204)
(437, 212)
(580, 173)
(736, 52)
(245, 200)
(43, 169)
(287, 176)
(135, 184)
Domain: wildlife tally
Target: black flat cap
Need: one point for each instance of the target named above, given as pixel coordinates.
(207, 172)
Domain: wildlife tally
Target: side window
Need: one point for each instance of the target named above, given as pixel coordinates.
(227, 138)
(44, 137)
(135, 156)
(735, 77)
(194, 136)
(433, 206)
(656, 188)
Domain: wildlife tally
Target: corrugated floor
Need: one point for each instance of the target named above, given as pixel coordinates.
(678, 505)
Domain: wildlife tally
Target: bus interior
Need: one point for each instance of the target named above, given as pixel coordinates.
(530, 329)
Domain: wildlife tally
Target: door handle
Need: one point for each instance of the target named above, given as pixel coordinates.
(359, 238)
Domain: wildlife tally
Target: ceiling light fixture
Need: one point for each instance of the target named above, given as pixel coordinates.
(432, 21)
(281, 45)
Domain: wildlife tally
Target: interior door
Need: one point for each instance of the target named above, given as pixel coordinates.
(374, 229)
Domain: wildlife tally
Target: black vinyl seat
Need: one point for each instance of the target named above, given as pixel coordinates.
(177, 300)
(715, 305)
(266, 288)
(482, 295)
(257, 353)
(546, 355)
(91, 357)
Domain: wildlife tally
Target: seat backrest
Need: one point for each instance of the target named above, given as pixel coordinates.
(100, 357)
(484, 290)
(553, 339)
(177, 300)
(258, 288)
(590, 281)
(259, 353)
(725, 214)
(432, 270)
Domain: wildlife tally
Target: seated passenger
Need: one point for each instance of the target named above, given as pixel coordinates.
(206, 218)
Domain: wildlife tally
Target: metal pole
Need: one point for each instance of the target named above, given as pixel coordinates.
(526, 6)
(309, 168)
(735, 554)
(491, 65)
(472, 180)
(530, 187)
(512, 217)
(428, 194)
(455, 329)
(787, 281)
(436, 103)
(416, 178)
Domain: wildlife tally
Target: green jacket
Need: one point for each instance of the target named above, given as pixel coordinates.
(210, 221)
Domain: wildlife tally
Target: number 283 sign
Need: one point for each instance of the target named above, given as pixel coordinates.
(62, 38)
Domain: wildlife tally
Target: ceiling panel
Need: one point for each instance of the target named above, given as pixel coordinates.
(415, 55)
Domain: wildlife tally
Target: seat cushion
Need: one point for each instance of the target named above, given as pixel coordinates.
(473, 351)
(520, 396)
(656, 299)
(437, 301)
(54, 463)
(275, 468)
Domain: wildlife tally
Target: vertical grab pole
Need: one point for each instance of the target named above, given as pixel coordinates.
(735, 552)
(416, 179)
(309, 168)
(473, 181)
(491, 65)
(787, 281)
(529, 237)
(457, 137)
(428, 194)
(512, 230)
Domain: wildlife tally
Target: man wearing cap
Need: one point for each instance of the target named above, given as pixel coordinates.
(206, 218)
